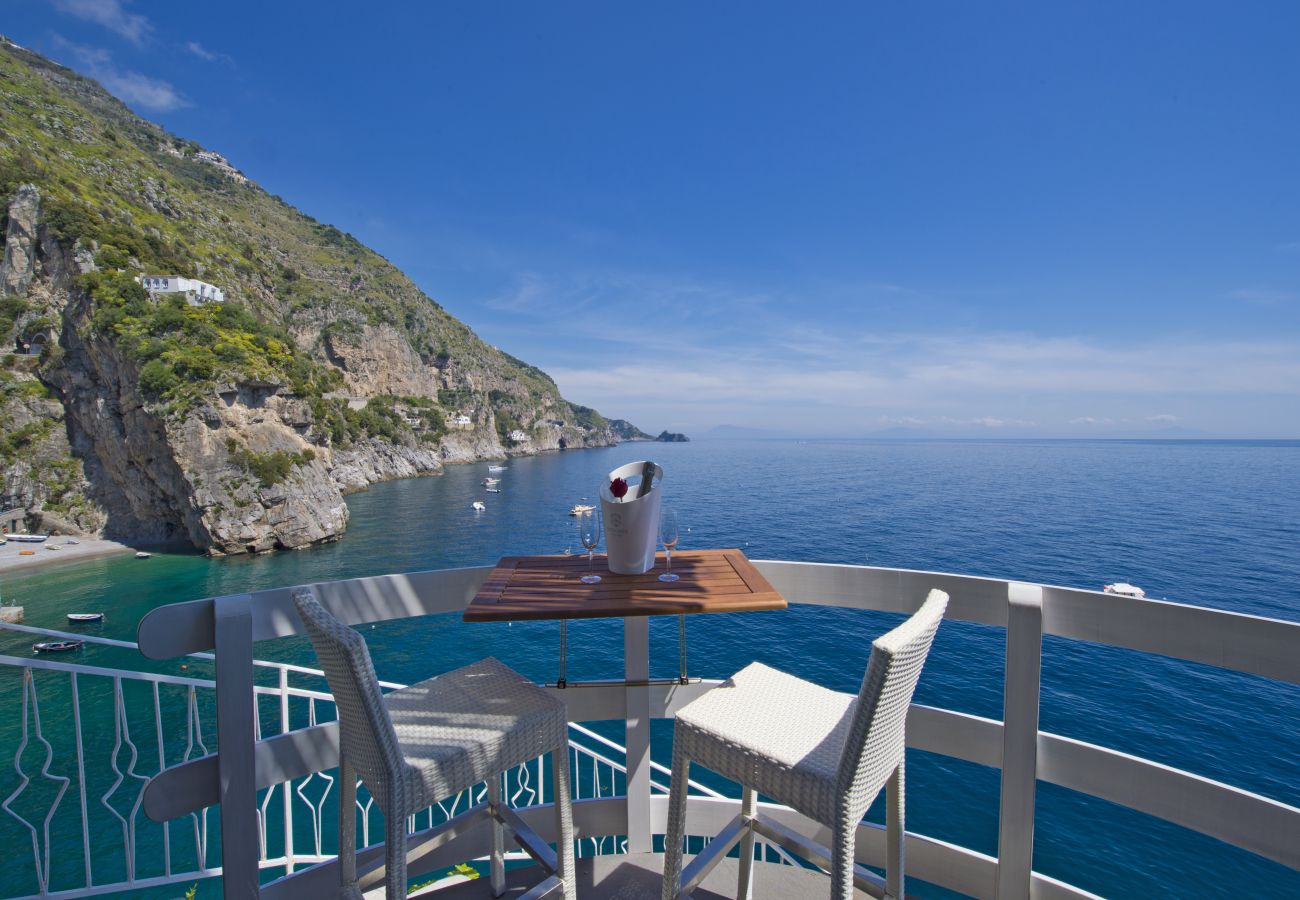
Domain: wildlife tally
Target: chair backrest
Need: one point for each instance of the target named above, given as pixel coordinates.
(875, 743)
(366, 734)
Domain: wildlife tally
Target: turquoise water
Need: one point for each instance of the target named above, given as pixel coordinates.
(1212, 523)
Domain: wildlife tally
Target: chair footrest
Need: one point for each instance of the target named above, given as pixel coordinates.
(775, 833)
(528, 840)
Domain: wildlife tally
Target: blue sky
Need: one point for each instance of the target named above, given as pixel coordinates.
(960, 218)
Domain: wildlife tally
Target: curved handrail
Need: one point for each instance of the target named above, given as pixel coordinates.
(1252, 644)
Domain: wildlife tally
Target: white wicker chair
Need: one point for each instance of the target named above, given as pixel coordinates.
(423, 743)
(824, 753)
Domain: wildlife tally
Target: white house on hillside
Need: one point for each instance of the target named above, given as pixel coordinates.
(196, 292)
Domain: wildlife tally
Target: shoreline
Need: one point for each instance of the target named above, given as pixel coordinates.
(87, 548)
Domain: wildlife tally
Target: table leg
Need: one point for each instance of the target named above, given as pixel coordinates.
(636, 670)
(560, 681)
(681, 650)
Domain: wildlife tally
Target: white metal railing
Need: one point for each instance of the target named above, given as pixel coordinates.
(286, 812)
(1015, 745)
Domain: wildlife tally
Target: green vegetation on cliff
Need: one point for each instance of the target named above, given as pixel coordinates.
(148, 202)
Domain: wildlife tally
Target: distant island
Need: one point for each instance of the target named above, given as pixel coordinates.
(626, 431)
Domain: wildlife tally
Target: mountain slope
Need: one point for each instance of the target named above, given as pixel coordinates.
(236, 426)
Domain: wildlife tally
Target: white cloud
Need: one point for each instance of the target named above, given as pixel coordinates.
(132, 87)
(687, 353)
(205, 54)
(1017, 381)
(1263, 296)
(110, 14)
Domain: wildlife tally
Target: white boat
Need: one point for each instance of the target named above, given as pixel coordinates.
(494, 490)
(142, 554)
(53, 547)
(29, 538)
(85, 617)
(580, 508)
(491, 481)
(496, 468)
(1124, 589)
(72, 541)
(478, 505)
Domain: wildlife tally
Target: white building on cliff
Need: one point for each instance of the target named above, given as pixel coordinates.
(196, 292)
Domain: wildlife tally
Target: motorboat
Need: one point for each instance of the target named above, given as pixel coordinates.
(1124, 589)
(580, 508)
(56, 646)
(53, 547)
(496, 468)
(29, 538)
(491, 481)
(142, 554)
(492, 490)
(85, 617)
(478, 505)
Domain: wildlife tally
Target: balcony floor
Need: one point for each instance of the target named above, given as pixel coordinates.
(637, 876)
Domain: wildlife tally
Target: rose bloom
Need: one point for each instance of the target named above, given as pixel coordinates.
(618, 487)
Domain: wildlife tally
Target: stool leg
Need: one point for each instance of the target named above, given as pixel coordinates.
(498, 854)
(676, 822)
(748, 808)
(846, 833)
(895, 834)
(348, 830)
(395, 851)
(564, 819)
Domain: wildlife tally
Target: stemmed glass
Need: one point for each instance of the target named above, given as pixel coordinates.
(669, 534)
(589, 534)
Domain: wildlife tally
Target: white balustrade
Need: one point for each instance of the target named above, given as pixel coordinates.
(610, 801)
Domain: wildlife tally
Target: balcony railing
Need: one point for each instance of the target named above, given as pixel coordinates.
(621, 799)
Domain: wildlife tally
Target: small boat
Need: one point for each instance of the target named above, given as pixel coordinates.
(496, 468)
(494, 490)
(85, 617)
(491, 481)
(142, 554)
(53, 547)
(1124, 589)
(580, 508)
(56, 646)
(478, 506)
(73, 541)
(26, 552)
(29, 538)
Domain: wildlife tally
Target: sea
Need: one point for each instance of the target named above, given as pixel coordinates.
(1213, 523)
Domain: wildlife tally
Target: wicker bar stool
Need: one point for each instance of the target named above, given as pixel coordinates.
(423, 743)
(824, 753)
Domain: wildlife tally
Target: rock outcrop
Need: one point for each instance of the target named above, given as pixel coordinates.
(20, 242)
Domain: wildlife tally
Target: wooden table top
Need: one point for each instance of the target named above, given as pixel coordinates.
(548, 587)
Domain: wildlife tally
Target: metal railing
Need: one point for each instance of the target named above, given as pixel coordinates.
(294, 817)
(625, 806)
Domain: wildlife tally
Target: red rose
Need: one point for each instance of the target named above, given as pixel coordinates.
(618, 487)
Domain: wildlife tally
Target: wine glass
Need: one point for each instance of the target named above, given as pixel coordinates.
(589, 534)
(669, 534)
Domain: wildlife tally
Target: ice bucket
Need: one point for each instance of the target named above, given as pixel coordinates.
(632, 524)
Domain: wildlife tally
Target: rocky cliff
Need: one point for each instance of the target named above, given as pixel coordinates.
(239, 426)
